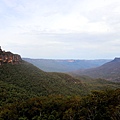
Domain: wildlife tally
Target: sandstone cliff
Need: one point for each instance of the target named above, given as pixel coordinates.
(8, 57)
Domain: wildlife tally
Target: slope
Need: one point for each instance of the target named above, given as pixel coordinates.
(35, 81)
(10, 93)
(19, 82)
(96, 84)
(109, 71)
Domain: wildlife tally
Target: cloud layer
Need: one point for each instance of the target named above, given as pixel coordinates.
(80, 29)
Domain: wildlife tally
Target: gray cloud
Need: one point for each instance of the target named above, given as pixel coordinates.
(72, 28)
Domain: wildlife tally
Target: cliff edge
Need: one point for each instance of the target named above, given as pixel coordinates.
(8, 57)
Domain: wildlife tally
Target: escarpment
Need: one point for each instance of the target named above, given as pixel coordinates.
(9, 57)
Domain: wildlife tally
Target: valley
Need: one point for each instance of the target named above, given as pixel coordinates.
(67, 65)
(27, 92)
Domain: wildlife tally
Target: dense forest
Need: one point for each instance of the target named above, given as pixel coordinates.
(28, 93)
(99, 105)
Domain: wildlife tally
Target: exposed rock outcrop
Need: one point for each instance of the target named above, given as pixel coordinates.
(8, 57)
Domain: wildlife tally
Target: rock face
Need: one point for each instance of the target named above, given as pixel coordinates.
(8, 57)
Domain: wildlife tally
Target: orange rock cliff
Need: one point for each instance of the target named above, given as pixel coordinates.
(8, 57)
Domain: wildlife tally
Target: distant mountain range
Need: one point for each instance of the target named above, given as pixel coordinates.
(109, 71)
(53, 65)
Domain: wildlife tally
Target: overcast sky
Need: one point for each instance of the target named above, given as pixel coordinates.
(61, 29)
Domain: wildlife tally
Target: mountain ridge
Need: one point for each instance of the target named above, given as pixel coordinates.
(109, 71)
(65, 65)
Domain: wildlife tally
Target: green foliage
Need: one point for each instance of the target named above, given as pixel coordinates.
(99, 105)
(28, 93)
(10, 93)
(35, 81)
(96, 84)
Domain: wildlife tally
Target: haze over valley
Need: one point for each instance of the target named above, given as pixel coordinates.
(64, 65)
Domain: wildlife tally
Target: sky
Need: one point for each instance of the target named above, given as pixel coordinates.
(61, 29)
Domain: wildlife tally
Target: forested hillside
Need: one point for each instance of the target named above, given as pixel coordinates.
(36, 81)
(109, 71)
(29, 93)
